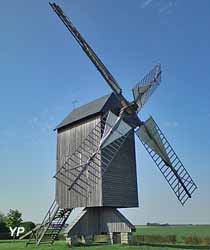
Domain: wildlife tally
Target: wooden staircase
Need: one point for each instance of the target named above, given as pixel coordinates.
(73, 174)
(51, 226)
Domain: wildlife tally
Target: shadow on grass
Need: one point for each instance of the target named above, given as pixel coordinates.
(175, 246)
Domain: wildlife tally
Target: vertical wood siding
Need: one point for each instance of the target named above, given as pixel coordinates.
(68, 140)
(119, 183)
(118, 186)
(100, 220)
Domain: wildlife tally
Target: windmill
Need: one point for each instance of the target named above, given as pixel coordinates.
(96, 165)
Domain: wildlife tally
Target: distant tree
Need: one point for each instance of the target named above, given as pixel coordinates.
(28, 225)
(153, 224)
(14, 218)
(165, 225)
(2, 217)
(3, 227)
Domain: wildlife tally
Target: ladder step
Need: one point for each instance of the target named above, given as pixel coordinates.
(51, 226)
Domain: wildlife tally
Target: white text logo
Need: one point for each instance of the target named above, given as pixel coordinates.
(16, 231)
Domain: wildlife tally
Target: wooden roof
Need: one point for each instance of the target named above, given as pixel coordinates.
(99, 105)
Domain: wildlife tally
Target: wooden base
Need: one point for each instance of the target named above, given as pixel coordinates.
(105, 221)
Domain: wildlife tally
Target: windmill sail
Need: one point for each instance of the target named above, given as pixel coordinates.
(115, 128)
(74, 168)
(149, 135)
(166, 160)
(144, 89)
(88, 50)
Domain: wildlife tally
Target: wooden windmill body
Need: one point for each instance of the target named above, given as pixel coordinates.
(96, 164)
(115, 188)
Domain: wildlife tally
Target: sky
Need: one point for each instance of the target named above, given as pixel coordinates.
(44, 75)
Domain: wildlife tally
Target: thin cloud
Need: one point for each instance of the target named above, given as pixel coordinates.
(146, 3)
(43, 122)
(171, 124)
(166, 7)
(162, 7)
(41, 125)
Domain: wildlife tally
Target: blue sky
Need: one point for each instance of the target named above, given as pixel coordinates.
(43, 71)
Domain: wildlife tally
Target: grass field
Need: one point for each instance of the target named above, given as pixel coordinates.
(179, 231)
(61, 245)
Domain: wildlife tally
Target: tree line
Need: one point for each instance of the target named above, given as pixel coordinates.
(11, 220)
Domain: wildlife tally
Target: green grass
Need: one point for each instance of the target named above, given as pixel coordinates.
(61, 245)
(20, 245)
(179, 231)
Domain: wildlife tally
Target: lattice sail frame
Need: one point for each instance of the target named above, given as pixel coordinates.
(88, 50)
(145, 88)
(85, 166)
(175, 174)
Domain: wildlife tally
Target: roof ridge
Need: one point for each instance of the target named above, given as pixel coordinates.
(84, 111)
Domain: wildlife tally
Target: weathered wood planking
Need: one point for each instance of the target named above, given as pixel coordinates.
(99, 220)
(119, 183)
(68, 140)
(117, 187)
